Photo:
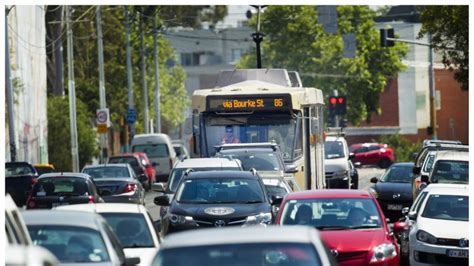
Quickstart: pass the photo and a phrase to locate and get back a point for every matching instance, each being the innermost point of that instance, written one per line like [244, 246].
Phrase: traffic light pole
[336, 117]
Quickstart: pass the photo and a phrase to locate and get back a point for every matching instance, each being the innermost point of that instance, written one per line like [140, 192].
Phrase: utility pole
[9, 93]
[143, 72]
[103, 137]
[129, 72]
[432, 91]
[157, 78]
[58, 88]
[258, 37]
[72, 95]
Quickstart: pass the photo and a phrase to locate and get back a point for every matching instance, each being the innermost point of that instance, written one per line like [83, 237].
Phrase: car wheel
[355, 183]
[384, 163]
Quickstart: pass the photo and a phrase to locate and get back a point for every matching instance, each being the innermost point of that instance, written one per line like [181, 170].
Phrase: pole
[157, 78]
[129, 74]
[258, 38]
[103, 137]
[58, 88]
[72, 95]
[432, 91]
[143, 72]
[336, 117]
[9, 94]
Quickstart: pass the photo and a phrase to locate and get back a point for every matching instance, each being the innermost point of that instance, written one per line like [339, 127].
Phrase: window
[131, 229]
[190, 59]
[153, 150]
[236, 54]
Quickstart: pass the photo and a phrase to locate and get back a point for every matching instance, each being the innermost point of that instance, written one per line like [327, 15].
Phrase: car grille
[211, 222]
[451, 242]
[425, 257]
[359, 255]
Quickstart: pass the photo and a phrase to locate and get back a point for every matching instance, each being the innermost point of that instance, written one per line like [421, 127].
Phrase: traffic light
[384, 34]
[337, 105]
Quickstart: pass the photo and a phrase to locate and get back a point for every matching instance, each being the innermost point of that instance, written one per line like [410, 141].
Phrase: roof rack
[271, 145]
[335, 131]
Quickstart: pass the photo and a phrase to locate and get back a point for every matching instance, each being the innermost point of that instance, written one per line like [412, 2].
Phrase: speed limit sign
[102, 116]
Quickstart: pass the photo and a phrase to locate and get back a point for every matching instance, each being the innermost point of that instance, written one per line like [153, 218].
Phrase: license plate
[394, 207]
[458, 253]
[59, 204]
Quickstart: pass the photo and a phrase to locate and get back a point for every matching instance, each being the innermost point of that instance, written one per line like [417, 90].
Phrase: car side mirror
[412, 215]
[132, 261]
[162, 200]
[405, 210]
[425, 178]
[416, 170]
[158, 187]
[291, 169]
[276, 200]
[351, 156]
[374, 180]
[414, 155]
[400, 226]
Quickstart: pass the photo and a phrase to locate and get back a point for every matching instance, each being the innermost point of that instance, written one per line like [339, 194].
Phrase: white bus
[263, 105]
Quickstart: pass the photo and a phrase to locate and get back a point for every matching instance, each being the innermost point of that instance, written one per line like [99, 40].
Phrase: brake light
[33, 181]
[31, 203]
[91, 199]
[130, 188]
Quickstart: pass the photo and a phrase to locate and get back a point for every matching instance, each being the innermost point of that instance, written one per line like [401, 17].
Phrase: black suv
[217, 199]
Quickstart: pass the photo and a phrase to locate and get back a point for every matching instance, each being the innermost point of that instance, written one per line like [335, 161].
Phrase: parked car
[44, 168]
[77, 238]
[139, 164]
[132, 225]
[438, 226]
[372, 154]
[393, 190]
[116, 183]
[216, 199]
[180, 149]
[56, 189]
[19, 180]
[351, 224]
[245, 246]
[337, 162]
[159, 150]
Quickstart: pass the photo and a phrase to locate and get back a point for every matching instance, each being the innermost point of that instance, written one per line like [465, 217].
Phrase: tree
[59, 134]
[296, 41]
[449, 27]
[191, 16]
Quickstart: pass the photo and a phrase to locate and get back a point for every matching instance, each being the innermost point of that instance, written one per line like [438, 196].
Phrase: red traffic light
[332, 100]
[340, 100]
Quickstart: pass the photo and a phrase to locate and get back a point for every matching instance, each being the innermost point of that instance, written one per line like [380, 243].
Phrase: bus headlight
[383, 252]
[262, 218]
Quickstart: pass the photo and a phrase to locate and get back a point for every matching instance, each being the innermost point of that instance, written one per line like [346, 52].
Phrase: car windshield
[275, 191]
[220, 190]
[260, 160]
[107, 172]
[447, 207]
[332, 213]
[131, 229]
[333, 149]
[178, 173]
[153, 150]
[70, 244]
[61, 186]
[398, 174]
[255, 254]
[446, 171]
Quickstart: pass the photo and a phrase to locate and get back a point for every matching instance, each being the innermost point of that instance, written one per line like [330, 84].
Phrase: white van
[159, 150]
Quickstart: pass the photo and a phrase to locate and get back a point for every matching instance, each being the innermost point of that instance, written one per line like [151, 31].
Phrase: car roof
[105, 207]
[447, 189]
[249, 150]
[221, 174]
[107, 165]
[66, 174]
[9, 203]
[125, 155]
[452, 155]
[239, 235]
[328, 193]
[334, 138]
[63, 218]
[206, 163]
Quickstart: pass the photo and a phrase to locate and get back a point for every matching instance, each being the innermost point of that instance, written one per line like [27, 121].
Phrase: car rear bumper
[122, 199]
[337, 182]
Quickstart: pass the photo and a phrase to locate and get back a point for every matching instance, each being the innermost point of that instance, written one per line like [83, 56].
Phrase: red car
[372, 154]
[139, 162]
[350, 222]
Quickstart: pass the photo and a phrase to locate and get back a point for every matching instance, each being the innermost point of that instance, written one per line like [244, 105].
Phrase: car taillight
[33, 181]
[91, 199]
[130, 188]
[31, 203]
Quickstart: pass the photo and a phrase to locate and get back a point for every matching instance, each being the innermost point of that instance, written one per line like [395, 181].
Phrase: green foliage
[402, 148]
[449, 26]
[192, 16]
[296, 41]
[59, 134]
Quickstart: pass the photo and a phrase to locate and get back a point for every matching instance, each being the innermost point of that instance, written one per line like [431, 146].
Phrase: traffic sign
[131, 116]
[102, 116]
[102, 128]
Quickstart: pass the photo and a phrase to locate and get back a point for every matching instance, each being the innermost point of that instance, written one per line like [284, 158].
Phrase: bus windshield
[256, 128]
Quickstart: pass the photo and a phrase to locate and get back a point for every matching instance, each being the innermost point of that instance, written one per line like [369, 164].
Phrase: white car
[439, 230]
[131, 223]
[336, 163]
[450, 167]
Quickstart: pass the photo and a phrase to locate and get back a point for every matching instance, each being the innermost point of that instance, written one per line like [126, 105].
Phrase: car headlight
[426, 237]
[374, 192]
[340, 173]
[383, 252]
[262, 218]
[179, 219]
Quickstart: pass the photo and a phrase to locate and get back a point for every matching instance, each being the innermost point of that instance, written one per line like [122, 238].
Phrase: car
[450, 167]
[180, 149]
[276, 188]
[428, 142]
[337, 161]
[393, 189]
[216, 199]
[372, 154]
[19, 255]
[44, 168]
[438, 226]
[19, 180]
[116, 183]
[351, 224]
[354, 176]
[15, 228]
[77, 238]
[274, 245]
[56, 189]
[132, 225]
[139, 164]
[425, 158]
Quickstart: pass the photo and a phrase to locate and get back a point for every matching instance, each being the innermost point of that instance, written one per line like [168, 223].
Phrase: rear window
[450, 172]
[130, 160]
[153, 150]
[61, 186]
[107, 172]
[15, 169]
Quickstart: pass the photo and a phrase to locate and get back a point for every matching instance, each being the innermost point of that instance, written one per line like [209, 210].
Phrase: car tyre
[355, 183]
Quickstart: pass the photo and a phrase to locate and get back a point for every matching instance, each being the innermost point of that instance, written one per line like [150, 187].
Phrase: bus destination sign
[249, 103]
